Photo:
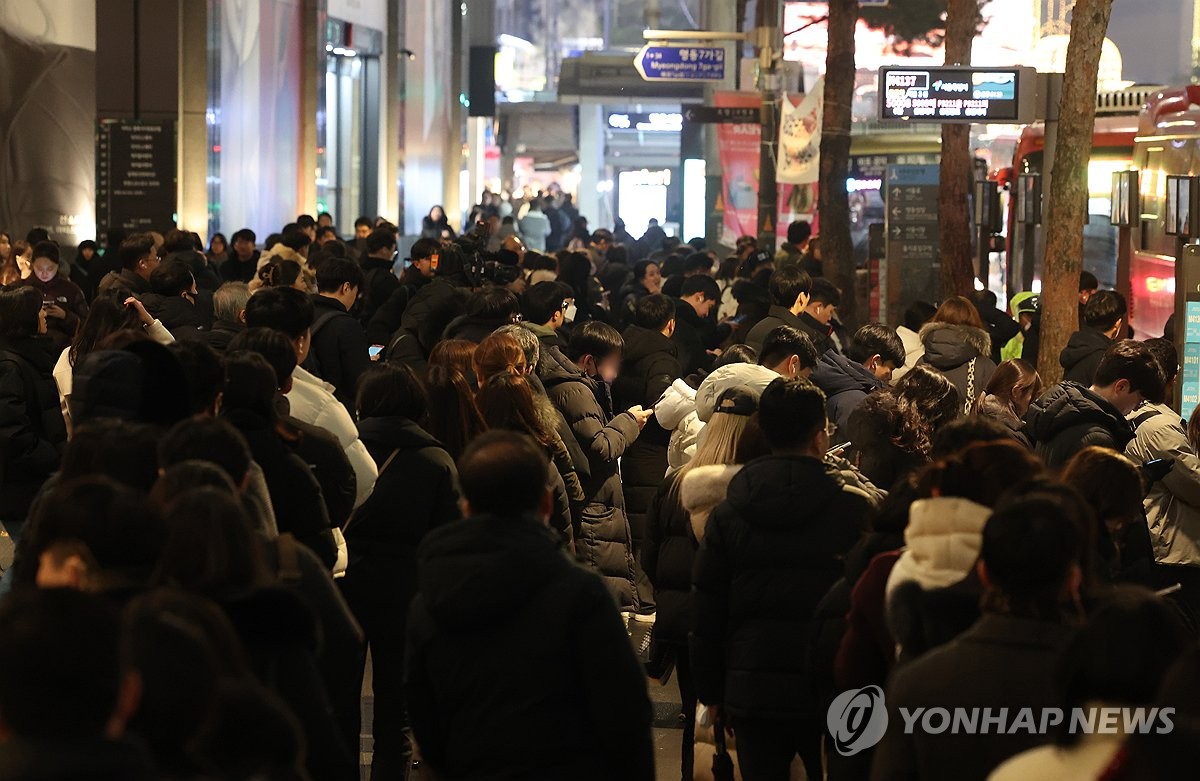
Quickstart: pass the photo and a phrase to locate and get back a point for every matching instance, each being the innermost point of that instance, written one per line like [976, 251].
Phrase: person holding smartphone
[63, 301]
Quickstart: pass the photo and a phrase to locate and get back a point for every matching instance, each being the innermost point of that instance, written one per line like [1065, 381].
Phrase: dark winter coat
[382, 576]
[667, 557]
[770, 553]
[1081, 357]
[695, 336]
[649, 364]
[379, 283]
[282, 639]
[32, 431]
[1068, 418]
[338, 353]
[221, 334]
[845, 383]
[295, 493]
[602, 538]
[1000, 662]
[962, 354]
[519, 666]
[67, 295]
[124, 279]
[175, 312]
[234, 270]
[327, 459]
[780, 315]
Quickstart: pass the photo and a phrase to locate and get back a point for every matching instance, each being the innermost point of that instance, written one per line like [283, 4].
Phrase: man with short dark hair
[544, 311]
[1105, 315]
[770, 552]
[379, 278]
[339, 346]
[242, 264]
[789, 353]
[818, 316]
[559, 692]
[792, 251]
[871, 357]
[311, 400]
[790, 290]
[697, 333]
[1072, 416]
[65, 696]
[139, 259]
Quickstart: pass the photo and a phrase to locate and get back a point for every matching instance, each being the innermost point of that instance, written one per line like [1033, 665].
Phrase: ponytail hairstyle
[278, 272]
[498, 354]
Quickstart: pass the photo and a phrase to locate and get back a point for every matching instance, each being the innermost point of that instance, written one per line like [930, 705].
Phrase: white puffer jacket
[676, 412]
[942, 542]
[751, 375]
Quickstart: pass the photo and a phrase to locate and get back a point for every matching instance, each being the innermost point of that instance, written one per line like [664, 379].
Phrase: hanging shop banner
[739, 149]
[799, 160]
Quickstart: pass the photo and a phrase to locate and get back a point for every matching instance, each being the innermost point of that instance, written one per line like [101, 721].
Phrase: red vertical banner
[739, 150]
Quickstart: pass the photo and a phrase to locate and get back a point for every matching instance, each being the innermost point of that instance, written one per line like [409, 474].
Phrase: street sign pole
[767, 34]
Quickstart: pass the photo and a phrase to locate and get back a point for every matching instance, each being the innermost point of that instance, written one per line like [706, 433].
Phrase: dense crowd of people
[531, 468]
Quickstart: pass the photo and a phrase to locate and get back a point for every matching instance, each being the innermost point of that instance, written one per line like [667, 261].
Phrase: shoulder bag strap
[382, 469]
[969, 401]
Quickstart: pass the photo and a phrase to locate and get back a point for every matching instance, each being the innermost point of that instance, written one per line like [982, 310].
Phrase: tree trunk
[957, 172]
[1066, 212]
[837, 248]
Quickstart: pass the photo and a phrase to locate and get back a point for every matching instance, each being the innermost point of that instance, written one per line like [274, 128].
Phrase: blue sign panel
[681, 63]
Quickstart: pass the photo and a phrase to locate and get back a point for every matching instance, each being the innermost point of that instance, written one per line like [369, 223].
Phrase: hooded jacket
[602, 536]
[845, 383]
[991, 407]
[381, 578]
[943, 538]
[1070, 417]
[961, 353]
[1173, 504]
[1081, 357]
[519, 665]
[770, 552]
[913, 350]
[676, 412]
[703, 489]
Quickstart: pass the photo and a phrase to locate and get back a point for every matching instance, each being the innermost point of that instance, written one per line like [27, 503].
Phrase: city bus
[1117, 120]
[1168, 142]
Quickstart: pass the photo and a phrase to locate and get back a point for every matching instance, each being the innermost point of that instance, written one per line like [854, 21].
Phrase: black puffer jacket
[339, 349]
[1068, 418]
[32, 431]
[518, 665]
[667, 556]
[649, 364]
[1081, 357]
[845, 383]
[770, 553]
[961, 353]
[602, 537]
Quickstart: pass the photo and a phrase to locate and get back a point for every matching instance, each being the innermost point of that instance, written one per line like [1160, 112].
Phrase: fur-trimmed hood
[703, 488]
[943, 539]
[949, 346]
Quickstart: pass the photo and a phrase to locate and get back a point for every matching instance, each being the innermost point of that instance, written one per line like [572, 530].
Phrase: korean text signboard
[135, 175]
[957, 94]
[911, 225]
[681, 63]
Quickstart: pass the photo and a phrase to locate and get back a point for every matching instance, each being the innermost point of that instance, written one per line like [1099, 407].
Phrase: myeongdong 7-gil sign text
[956, 94]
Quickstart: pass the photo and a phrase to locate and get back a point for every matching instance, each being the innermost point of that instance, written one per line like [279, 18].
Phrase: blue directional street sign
[681, 63]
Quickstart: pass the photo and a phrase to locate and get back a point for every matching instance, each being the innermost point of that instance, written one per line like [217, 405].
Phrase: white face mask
[569, 313]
